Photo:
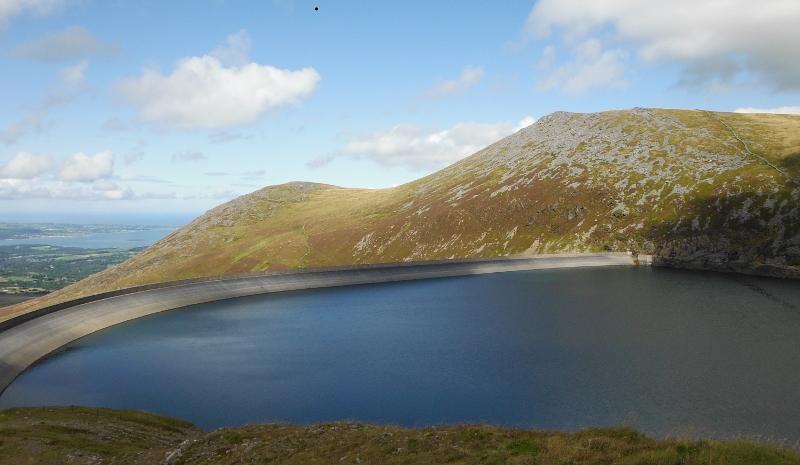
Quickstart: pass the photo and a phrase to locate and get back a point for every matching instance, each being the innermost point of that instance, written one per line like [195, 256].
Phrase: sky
[177, 106]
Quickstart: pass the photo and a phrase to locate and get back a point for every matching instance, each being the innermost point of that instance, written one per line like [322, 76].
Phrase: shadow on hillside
[791, 164]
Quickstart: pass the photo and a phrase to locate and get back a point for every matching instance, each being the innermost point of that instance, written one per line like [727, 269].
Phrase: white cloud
[26, 165]
[320, 161]
[32, 176]
[592, 67]
[110, 190]
[11, 189]
[74, 76]
[237, 50]
[31, 123]
[201, 93]
[469, 78]
[83, 168]
[779, 110]
[137, 152]
[74, 42]
[104, 190]
[12, 8]
[424, 147]
[524, 123]
[758, 39]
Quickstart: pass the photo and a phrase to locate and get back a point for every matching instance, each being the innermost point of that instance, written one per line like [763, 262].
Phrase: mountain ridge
[695, 189]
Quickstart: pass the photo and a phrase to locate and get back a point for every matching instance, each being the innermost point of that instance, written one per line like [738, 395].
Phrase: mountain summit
[692, 188]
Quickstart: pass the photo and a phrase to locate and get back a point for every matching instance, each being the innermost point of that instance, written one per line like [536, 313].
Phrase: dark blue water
[669, 352]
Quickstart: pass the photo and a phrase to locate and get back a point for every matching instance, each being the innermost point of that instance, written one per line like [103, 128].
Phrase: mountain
[695, 189]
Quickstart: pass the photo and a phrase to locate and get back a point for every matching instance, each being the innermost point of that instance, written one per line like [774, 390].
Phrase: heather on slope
[692, 188]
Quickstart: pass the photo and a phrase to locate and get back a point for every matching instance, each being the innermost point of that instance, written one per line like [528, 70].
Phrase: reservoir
[669, 352]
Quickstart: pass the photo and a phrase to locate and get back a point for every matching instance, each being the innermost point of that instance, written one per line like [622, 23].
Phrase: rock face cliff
[694, 189]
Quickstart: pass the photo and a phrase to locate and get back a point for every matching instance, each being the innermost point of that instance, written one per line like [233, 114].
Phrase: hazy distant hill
[676, 184]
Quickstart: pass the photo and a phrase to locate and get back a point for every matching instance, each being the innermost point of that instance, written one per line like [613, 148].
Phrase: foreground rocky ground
[78, 435]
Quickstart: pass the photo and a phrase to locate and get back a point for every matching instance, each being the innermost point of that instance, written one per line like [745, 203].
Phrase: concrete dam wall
[27, 338]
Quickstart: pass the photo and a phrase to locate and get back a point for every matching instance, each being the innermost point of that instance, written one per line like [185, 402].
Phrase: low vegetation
[694, 189]
[38, 268]
[77, 435]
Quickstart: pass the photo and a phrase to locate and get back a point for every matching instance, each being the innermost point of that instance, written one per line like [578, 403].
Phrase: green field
[49, 268]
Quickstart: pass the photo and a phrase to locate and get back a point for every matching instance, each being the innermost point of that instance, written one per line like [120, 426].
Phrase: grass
[51, 435]
[698, 187]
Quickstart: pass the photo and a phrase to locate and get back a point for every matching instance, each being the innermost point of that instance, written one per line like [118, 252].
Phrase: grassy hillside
[78, 435]
[677, 184]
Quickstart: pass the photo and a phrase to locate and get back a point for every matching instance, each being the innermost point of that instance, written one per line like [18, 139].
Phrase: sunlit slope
[673, 183]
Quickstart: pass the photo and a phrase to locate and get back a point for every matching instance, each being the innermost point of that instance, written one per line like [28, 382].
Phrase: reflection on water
[669, 352]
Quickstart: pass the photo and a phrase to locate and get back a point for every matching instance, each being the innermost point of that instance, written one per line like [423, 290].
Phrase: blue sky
[178, 106]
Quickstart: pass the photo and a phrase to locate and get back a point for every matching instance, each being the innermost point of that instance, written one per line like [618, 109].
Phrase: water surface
[128, 239]
[669, 352]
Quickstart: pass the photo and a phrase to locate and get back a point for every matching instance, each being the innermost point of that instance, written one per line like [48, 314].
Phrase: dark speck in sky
[316, 8]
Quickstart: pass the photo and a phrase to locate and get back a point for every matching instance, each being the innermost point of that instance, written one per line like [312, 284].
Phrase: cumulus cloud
[110, 190]
[11, 8]
[425, 147]
[188, 156]
[74, 42]
[11, 189]
[592, 67]
[202, 93]
[83, 168]
[469, 78]
[104, 190]
[33, 176]
[26, 165]
[779, 110]
[237, 50]
[758, 39]
[524, 123]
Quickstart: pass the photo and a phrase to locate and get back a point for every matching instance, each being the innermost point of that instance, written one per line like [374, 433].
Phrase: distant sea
[163, 223]
[170, 219]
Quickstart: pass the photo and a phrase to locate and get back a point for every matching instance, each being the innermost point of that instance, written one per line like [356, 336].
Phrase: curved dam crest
[24, 340]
